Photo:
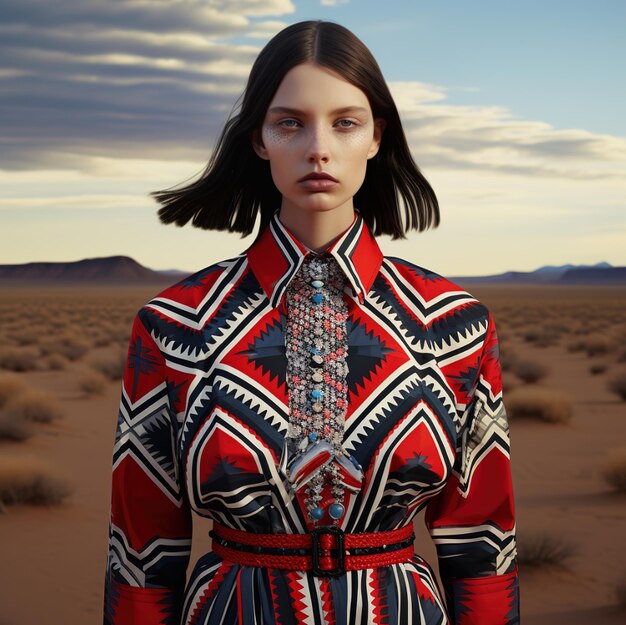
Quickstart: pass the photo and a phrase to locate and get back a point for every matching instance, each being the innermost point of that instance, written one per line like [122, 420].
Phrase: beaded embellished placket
[316, 380]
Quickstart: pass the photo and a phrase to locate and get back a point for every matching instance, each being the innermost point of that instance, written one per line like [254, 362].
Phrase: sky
[514, 112]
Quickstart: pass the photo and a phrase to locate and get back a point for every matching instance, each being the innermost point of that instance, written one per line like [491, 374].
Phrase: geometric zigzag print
[201, 429]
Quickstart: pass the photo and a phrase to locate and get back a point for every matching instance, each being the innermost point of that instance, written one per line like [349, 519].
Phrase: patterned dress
[207, 399]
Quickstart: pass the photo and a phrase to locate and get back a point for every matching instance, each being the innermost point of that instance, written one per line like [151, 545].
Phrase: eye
[349, 121]
[284, 121]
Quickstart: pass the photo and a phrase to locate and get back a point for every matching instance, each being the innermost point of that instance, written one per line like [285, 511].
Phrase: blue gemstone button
[316, 393]
[336, 511]
[317, 513]
[318, 298]
[313, 436]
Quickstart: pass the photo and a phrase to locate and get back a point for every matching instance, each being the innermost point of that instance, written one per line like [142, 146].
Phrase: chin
[321, 202]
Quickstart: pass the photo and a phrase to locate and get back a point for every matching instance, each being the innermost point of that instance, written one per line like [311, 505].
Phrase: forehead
[311, 88]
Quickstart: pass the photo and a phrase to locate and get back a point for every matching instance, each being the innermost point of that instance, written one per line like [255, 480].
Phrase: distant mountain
[112, 270]
[121, 270]
[599, 274]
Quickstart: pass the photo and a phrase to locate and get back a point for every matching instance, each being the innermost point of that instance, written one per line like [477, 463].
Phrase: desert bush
[617, 384]
[597, 368]
[541, 337]
[12, 430]
[56, 362]
[68, 345]
[19, 358]
[102, 340]
[92, 382]
[33, 405]
[25, 336]
[543, 548]
[614, 469]
[539, 402]
[112, 366]
[529, 371]
[10, 386]
[598, 345]
[593, 345]
[26, 480]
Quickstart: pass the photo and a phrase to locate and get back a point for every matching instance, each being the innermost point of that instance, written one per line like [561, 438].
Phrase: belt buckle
[316, 533]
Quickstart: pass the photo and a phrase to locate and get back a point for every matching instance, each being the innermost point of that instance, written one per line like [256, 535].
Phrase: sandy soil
[53, 559]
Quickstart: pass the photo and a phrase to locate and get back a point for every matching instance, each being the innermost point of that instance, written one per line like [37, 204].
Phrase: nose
[317, 149]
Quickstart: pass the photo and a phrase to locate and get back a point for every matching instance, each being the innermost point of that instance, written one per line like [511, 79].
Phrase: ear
[379, 127]
[257, 144]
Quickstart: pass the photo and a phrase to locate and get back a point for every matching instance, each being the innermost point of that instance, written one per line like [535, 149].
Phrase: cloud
[156, 79]
[489, 138]
[127, 77]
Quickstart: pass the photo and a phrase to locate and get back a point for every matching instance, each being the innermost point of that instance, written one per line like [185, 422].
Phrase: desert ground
[560, 349]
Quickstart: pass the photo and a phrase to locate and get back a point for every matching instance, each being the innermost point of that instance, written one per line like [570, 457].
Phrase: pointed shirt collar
[277, 254]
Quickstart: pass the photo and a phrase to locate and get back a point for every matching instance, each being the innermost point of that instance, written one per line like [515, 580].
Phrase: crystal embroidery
[316, 379]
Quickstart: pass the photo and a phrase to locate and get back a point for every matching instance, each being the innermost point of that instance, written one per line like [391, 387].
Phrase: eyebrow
[292, 111]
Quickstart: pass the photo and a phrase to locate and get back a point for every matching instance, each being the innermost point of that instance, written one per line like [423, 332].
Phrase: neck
[318, 230]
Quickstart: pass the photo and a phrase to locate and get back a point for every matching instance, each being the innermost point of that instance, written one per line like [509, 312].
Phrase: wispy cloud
[132, 77]
[91, 76]
[489, 138]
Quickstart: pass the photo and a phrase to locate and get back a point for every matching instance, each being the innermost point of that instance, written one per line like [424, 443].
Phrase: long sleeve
[472, 520]
[150, 524]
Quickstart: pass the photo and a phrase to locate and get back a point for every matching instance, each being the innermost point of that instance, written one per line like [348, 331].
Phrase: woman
[310, 395]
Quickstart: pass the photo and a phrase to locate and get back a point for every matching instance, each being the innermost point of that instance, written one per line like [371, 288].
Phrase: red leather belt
[322, 551]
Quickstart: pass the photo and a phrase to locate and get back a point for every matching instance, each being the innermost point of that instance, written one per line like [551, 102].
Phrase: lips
[318, 176]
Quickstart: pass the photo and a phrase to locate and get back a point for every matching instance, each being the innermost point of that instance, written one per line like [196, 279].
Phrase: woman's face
[317, 122]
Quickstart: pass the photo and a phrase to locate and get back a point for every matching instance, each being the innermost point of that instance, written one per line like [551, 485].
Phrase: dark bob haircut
[237, 182]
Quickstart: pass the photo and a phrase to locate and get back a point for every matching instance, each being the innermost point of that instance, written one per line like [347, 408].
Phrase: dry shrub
[593, 345]
[539, 402]
[614, 469]
[19, 358]
[112, 366]
[10, 386]
[577, 345]
[32, 405]
[541, 337]
[25, 336]
[68, 345]
[92, 382]
[543, 548]
[12, 430]
[597, 368]
[617, 384]
[26, 480]
[56, 362]
[102, 340]
[529, 371]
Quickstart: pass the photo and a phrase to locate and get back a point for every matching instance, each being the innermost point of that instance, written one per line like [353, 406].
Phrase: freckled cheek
[275, 138]
[357, 142]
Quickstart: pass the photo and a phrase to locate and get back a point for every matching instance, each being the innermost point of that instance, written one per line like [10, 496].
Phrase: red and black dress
[395, 409]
